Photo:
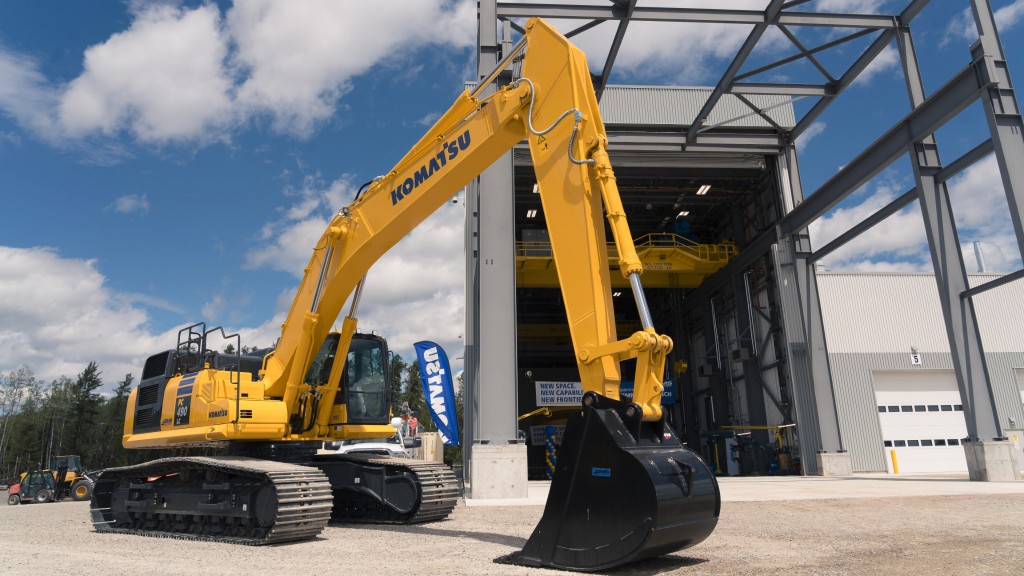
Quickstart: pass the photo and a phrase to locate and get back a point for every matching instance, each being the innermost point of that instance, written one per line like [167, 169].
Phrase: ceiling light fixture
[532, 213]
[683, 213]
[616, 294]
[536, 188]
[703, 189]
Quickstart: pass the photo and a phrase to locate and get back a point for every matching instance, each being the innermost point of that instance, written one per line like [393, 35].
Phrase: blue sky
[163, 163]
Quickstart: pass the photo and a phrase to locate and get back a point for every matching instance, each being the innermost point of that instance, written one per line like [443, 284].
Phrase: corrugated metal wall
[894, 312]
[678, 106]
[855, 400]
[873, 320]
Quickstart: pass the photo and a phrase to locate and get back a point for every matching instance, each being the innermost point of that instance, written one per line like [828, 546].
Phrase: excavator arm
[554, 107]
[625, 487]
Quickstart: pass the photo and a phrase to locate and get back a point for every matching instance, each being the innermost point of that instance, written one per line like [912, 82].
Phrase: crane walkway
[670, 261]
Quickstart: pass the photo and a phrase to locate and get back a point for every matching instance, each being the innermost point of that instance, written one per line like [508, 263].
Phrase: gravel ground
[982, 534]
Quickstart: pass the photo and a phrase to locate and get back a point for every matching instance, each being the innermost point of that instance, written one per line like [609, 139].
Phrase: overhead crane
[669, 261]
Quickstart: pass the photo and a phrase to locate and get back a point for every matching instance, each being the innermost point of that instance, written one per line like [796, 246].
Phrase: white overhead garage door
[922, 420]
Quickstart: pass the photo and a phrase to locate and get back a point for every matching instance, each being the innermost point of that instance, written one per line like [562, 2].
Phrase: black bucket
[623, 490]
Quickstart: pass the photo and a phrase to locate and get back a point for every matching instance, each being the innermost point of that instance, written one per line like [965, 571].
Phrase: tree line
[71, 416]
[66, 416]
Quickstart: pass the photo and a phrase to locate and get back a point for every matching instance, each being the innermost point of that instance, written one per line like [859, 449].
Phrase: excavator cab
[625, 487]
[365, 382]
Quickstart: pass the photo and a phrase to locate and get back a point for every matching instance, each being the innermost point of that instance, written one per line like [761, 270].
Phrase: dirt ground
[982, 534]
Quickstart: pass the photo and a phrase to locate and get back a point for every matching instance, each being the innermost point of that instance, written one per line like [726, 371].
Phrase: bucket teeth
[624, 490]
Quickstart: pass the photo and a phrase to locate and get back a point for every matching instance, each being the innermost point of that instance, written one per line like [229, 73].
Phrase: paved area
[777, 488]
[796, 526]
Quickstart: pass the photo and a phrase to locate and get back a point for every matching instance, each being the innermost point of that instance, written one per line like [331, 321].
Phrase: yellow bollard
[895, 465]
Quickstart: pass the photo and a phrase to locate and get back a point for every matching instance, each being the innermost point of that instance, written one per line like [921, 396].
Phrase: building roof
[678, 106]
[664, 106]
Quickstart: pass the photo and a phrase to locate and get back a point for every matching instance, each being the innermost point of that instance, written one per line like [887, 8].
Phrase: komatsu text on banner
[436, 376]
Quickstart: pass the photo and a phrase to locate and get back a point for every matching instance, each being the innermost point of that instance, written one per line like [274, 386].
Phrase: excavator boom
[625, 487]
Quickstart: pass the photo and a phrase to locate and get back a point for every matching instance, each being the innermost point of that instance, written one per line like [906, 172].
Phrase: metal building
[752, 333]
[896, 392]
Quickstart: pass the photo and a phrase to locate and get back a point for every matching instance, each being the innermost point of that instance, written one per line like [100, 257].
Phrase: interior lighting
[536, 188]
[703, 189]
[786, 426]
[616, 294]
[683, 213]
[532, 213]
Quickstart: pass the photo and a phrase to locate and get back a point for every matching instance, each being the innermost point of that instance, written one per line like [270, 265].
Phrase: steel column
[962, 329]
[745, 332]
[490, 291]
[817, 418]
[1003, 114]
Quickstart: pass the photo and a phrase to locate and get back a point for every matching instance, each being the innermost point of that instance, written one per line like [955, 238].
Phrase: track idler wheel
[623, 490]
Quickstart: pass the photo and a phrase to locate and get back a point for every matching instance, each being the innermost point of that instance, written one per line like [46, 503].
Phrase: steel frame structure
[785, 244]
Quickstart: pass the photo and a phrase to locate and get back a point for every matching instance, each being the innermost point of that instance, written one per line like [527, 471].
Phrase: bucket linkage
[623, 490]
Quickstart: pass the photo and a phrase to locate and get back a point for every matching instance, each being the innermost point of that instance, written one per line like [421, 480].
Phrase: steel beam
[821, 90]
[755, 143]
[694, 15]
[947, 172]
[962, 329]
[760, 112]
[1001, 281]
[864, 225]
[725, 82]
[922, 121]
[752, 385]
[808, 53]
[868, 56]
[797, 362]
[1003, 115]
[627, 7]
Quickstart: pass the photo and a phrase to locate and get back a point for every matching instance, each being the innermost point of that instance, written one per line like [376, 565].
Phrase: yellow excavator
[625, 487]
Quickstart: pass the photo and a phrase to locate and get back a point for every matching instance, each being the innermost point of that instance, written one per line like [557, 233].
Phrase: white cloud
[59, 315]
[852, 6]
[963, 26]
[301, 57]
[886, 61]
[291, 238]
[673, 53]
[899, 243]
[163, 79]
[130, 203]
[979, 204]
[194, 76]
[26, 95]
[416, 291]
[817, 128]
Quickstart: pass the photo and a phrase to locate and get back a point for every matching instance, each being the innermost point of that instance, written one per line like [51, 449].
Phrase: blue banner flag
[436, 376]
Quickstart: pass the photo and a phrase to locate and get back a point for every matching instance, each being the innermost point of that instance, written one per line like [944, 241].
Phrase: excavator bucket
[623, 490]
